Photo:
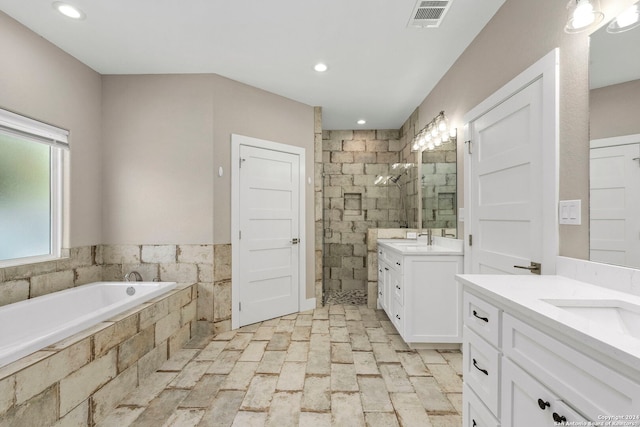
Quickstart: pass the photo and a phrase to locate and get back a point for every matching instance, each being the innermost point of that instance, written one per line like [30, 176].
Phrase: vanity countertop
[541, 299]
[440, 246]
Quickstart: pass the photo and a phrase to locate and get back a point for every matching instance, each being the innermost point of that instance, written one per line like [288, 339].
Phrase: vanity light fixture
[68, 10]
[627, 20]
[582, 15]
[320, 67]
[434, 134]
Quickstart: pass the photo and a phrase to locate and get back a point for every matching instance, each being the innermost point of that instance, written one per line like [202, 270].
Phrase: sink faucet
[137, 277]
[429, 236]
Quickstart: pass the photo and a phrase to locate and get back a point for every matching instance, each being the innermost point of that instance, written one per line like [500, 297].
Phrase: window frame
[36, 132]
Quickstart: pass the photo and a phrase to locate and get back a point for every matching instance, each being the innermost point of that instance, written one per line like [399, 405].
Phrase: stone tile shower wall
[352, 203]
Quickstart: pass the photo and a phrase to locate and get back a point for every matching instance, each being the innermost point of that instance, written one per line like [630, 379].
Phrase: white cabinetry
[517, 375]
[421, 296]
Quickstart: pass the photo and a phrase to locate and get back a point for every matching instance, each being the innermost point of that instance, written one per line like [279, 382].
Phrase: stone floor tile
[431, 357]
[226, 336]
[249, 419]
[319, 342]
[316, 396]
[253, 352]
[223, 409]
[320, 326]
[211, 351]
[204, 392]
[431, 396]
[279, 341]
[149, 389]
[225, 362]
[301, 333]
[314, 419]
[356, 327]
[397, 343]
[346, 410]
[360, 342]
[271, 362]
[343, 377]
[285, 410]
[250, 328]
[381, 419]
[179, 360]
[374, 395]
[456, 401]
[304, 319]
[446, 420]
[384, 353]
[336, 309]
[321, 313]
[319, 362]
[161, 408]
[388, 327]
[449, 381]
[341, 352]
[122, 416]
[260, 393]
[190, 375]
[352, 315]
[377, 335]
[285, 325]
[292, 316]
[298, 351]
[337, 320]
[198, 341]
[264, 333]
[454, 359]
[240, 376]
[409, 410]
[292, 376]
[239, 342]
[339, 334]
[184, 418]
[370, 322]
[413, 364]
[365, 363]
[271, 322]
[396, 379]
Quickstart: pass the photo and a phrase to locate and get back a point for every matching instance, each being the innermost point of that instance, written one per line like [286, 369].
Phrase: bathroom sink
[616, 315]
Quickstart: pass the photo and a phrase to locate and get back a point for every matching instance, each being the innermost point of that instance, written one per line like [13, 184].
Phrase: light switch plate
[569, 212]
[412, 235]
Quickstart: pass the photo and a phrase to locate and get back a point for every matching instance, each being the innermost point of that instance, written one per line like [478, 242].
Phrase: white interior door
[269, 196]
[615, 203]
[512, 180]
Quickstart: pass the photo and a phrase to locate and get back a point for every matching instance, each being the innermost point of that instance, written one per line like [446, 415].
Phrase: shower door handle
[295, 241]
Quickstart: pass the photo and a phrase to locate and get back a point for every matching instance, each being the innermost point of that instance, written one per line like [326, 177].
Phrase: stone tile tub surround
[79, 380]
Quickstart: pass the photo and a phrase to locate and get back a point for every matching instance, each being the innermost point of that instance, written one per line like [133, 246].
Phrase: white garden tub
[30, 325]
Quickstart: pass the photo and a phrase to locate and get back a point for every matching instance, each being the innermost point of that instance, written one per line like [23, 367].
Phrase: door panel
[269, 221]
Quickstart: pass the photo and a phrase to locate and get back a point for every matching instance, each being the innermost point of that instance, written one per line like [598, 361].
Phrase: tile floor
[340, 365]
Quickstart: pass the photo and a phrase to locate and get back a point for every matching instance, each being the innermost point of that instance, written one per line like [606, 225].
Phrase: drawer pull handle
[474, 423]
[484, 371]
[398, 316]
[397, 287]
[559, 418]
[475, 314]
[542, 404]
[397, 263]
[386, 268]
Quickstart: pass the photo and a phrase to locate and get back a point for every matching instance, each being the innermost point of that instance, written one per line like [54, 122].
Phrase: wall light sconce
[627, 20]
[434, 134]
[582, 15]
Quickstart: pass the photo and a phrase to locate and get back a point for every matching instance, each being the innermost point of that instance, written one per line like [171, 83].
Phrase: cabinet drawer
[395, 261]
[481, 369]
[397, 288]
[592, 388]
[474, 413]
[397, 315]
[482, 317]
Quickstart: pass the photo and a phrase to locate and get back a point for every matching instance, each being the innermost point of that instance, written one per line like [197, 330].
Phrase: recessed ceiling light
[68, 10]
[321, 68]
[361, 121]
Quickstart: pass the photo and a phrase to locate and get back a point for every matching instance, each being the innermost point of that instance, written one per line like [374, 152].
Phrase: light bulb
[434, 130]
[445, 137]
[431, 146]
[442, 123]
[437, 142]
[583, 15]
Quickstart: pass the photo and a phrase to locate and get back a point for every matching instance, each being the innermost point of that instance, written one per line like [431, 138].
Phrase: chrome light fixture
[582, 15]
[627, 20]
[434, 134]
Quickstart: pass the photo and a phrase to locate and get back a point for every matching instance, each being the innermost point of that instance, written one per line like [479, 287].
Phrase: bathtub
[31, 325]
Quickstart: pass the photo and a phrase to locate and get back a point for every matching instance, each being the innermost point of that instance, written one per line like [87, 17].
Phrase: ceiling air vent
[428, 14]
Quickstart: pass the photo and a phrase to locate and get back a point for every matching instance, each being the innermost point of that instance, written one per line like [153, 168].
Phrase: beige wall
[40, 81]
[517, 36]
[615, 110]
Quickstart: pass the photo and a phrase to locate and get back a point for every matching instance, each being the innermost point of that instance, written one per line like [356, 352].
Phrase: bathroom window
[31, 184]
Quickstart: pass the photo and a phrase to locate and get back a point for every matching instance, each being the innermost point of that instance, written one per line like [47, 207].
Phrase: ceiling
[379, 69]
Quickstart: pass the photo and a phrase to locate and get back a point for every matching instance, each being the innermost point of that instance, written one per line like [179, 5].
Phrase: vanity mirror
[614, 73]
[438, 184]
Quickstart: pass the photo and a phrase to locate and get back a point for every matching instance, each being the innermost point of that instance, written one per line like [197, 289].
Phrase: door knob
[535, 267]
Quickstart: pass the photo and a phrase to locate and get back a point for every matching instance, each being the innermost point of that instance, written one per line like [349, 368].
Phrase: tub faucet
[429, 236]
[137, 277]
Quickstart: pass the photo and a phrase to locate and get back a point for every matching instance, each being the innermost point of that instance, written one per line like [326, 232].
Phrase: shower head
[395, 179]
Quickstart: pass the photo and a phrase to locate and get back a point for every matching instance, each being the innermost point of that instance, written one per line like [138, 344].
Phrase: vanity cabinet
[420, 295]
[517, 375]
